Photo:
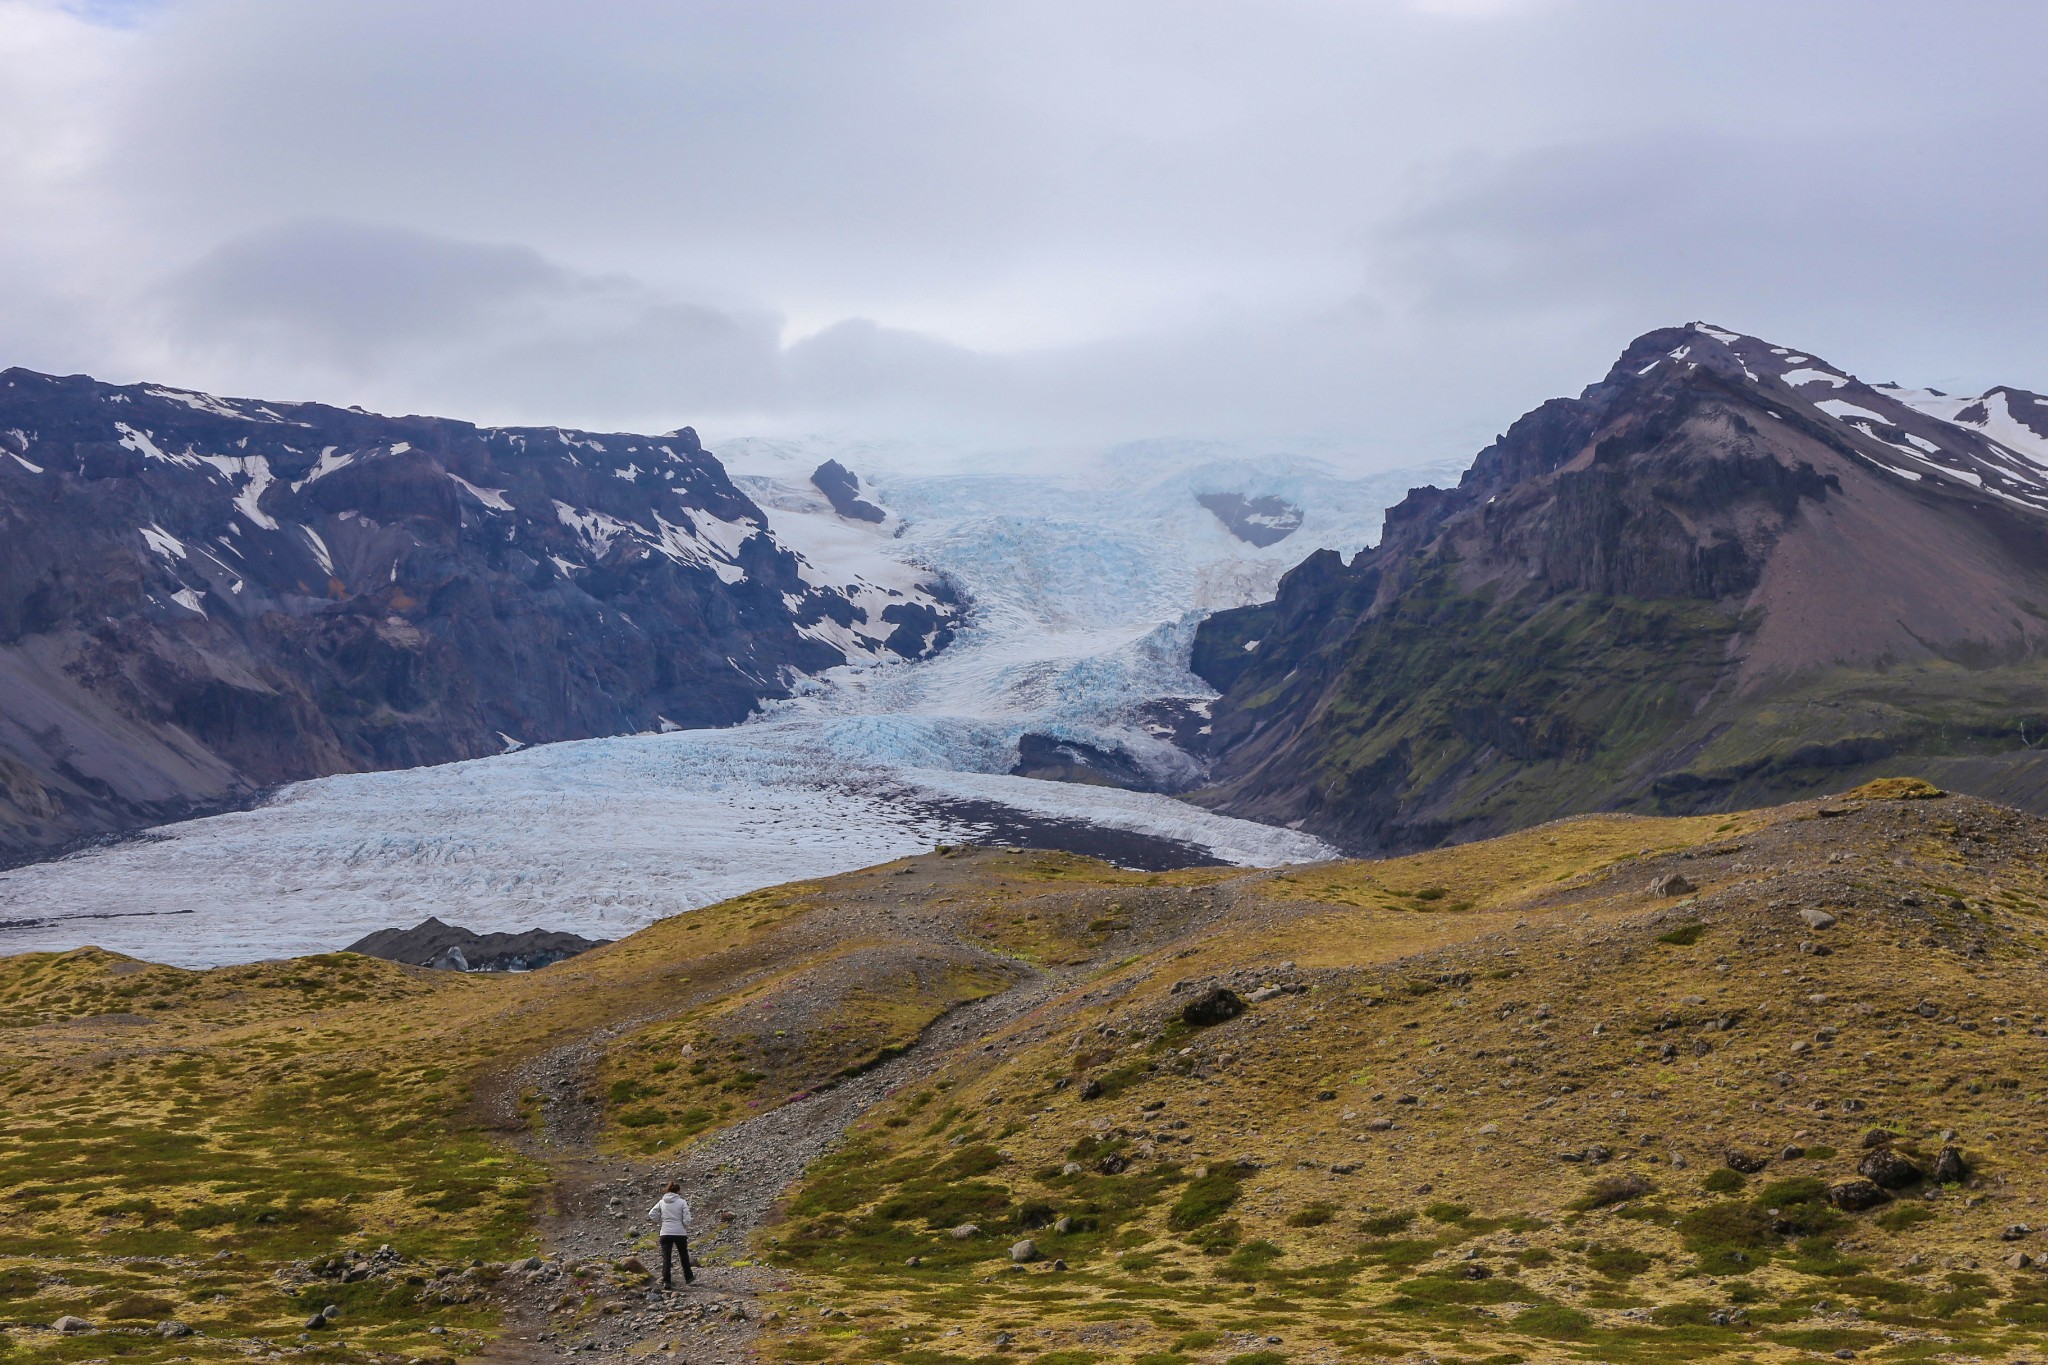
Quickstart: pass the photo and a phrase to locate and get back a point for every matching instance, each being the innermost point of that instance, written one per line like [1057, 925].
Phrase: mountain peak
[1621, 578]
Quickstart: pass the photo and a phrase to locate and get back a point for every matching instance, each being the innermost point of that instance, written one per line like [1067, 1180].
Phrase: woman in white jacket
[672, 1211]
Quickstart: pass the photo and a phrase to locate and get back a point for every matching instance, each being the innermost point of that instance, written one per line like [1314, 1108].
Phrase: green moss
[944, 1204]
[1553, 1320]
[1312, 1215]
[1203, 1201]
[1723, 1180]
[1728, 1237]
[1248, 1261]
[1455, 1289]
[1618, 1263]
[1902, 1216]
[1536, 708]
[1386, 1224]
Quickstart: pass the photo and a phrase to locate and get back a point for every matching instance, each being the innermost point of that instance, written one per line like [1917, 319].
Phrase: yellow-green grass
[170, 1140]
[1530, 1023]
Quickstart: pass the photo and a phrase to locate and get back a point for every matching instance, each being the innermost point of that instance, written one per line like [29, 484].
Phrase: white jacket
[674, 1212]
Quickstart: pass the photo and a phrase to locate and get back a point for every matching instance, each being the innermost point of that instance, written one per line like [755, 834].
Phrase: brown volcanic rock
[1655, 597]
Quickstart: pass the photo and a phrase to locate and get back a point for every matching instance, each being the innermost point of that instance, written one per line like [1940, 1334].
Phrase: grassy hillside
[1520, 1100]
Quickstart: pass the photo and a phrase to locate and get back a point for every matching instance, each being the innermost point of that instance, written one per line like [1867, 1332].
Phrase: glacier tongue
[1084, 585]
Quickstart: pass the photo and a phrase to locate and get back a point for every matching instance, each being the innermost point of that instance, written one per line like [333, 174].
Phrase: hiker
[672, 1211]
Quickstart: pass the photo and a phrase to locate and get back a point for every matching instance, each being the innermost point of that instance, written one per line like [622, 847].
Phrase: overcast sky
[1395, 223]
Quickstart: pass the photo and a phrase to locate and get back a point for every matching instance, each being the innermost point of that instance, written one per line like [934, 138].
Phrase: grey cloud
[1399, 222]
[407, 318]
[1827, 243]
[353, 289]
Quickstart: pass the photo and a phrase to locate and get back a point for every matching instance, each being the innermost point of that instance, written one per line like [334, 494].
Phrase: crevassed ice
[1086, 587]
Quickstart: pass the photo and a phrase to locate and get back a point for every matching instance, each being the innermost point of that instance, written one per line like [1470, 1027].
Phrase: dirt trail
[732, 1180]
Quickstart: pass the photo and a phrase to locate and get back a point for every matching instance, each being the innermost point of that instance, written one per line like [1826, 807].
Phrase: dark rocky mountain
[1260, 521]
[1054, 759]
[452, 948]
[203, 597]
[841, 487]
[1727, 574]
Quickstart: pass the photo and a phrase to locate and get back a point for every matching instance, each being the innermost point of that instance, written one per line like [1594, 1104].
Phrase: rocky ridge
[1728, 573]
[449, 947]
[202, 597]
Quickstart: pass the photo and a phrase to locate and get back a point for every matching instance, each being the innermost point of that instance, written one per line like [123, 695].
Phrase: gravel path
[732, 1180]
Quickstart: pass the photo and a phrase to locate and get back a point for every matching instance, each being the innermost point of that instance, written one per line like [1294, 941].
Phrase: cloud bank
[1392, 223]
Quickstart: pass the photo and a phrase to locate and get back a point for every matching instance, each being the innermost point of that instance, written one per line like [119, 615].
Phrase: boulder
[1817, 919]
[1744, 1162]
[1091, 1089]
[1854, 1196]
[1219, 1005]
[964, 1231]
[1949, 1166]
[171, 1327]
[1673, 884]
[71, 1326]
[1026, 1250]
[1889, 1168]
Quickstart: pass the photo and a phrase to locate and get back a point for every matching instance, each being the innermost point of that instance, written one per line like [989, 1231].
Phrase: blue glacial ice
[1086, 577]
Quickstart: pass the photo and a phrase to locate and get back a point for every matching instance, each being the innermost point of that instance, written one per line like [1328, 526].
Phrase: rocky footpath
[595, 1292]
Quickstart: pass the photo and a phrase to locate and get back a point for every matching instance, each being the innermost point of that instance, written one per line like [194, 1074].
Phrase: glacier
[1084, 576]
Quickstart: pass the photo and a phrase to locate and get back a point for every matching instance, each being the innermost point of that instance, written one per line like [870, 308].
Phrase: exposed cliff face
[1726, 573]
[200, 597]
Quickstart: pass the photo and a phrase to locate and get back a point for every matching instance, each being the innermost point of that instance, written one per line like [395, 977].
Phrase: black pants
[681, 1247]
